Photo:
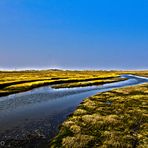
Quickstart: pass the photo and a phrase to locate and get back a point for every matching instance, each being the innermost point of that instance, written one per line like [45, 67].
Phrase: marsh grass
[89, 82]
[14, 82]
[118, 118]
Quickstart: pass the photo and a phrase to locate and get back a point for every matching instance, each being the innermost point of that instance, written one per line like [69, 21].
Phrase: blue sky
[74, 34]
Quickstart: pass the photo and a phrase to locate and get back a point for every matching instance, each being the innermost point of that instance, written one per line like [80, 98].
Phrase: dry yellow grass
[96, 123]
[13, 82]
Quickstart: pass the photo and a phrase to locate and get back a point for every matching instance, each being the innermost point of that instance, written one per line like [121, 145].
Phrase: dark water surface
[35, 115]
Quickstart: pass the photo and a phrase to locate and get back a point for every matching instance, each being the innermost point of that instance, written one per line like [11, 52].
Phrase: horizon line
[73, 69]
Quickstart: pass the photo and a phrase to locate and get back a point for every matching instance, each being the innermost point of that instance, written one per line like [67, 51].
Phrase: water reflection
[45, 108]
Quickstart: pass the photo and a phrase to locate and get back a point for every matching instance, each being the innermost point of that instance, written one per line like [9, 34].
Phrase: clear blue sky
[77, 34]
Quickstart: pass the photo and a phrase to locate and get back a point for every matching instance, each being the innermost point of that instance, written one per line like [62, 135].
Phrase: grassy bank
[14, 82]
[118, 118]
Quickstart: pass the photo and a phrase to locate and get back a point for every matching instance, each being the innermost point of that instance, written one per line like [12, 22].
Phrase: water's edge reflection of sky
[45, 108]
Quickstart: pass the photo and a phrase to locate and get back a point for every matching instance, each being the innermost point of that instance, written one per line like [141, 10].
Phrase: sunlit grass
[118, 118]
[13, 82]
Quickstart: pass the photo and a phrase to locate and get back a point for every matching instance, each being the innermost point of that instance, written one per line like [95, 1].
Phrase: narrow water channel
[36, 114]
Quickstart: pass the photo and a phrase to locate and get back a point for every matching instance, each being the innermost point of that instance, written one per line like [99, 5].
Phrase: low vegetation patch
[14, 82]
[114, 119]
[18, 81]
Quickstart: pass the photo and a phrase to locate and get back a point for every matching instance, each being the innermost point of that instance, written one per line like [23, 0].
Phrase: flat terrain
[118, 118]
[14, 82]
